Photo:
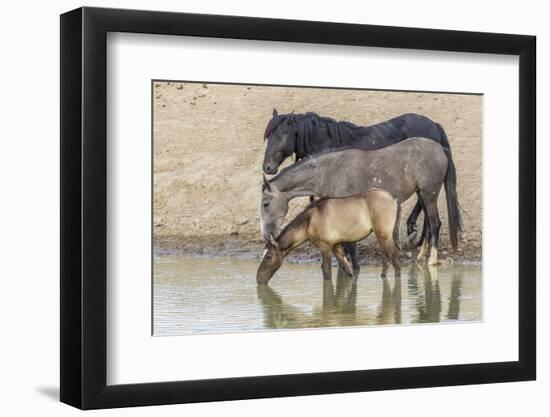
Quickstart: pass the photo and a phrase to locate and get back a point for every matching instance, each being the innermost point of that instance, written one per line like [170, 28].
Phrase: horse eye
[266, 204]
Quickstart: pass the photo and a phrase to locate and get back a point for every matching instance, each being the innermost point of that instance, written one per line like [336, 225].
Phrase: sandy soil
[208, 151]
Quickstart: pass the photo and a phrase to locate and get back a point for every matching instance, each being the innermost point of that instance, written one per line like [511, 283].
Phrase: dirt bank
[208, 150]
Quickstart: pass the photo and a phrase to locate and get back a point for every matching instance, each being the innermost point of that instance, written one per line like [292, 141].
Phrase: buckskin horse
[329, 222]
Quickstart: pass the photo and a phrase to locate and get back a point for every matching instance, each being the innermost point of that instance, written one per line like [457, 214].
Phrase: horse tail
[396, 226]
[443, 138]
[453, 208]
[444, 141]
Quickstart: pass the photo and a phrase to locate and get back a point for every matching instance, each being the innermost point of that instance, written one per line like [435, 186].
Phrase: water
[220, 295]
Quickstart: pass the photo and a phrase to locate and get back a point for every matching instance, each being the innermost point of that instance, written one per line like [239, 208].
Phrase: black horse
[308, 134]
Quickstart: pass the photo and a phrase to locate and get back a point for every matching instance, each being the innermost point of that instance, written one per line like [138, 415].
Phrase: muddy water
[220, 295]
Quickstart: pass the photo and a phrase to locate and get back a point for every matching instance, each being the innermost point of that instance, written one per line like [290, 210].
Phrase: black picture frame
[84, 207]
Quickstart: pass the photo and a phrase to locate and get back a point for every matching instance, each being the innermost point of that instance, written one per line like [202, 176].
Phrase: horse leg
[351, 250]
[338, 251]
[425, 238]
[393, 254]
[326, 266]
[390, 254]
[421, 257]
[383, 223]
[385, 264]
[433, 258]
[411, 221]
[424, 231]
[434, 225]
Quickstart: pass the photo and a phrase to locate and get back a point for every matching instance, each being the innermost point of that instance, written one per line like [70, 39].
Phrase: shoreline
[243, 247]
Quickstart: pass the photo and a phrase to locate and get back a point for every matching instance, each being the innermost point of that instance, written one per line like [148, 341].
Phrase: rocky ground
[208, 151]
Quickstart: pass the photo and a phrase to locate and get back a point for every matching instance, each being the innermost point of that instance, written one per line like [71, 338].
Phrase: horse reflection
[428, 298]
[389, 311]
[344, 298]
[453, 311]
[339, 304]
[427, 294]
[337, 309]
[279, 315]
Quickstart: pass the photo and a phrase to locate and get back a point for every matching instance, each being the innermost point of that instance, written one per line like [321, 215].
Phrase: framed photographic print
[257, 207]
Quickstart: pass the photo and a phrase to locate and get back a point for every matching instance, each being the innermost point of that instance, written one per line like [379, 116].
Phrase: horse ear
[291, 117]
[275, 112]
[266, 185]
[273, 241]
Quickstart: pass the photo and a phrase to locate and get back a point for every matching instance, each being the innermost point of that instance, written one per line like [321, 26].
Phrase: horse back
[401, 128]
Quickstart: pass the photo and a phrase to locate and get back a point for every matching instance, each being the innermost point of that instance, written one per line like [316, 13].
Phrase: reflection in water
[201, 295]
[390, 307]
[343, 300]
[337, 309]
[426, 292]
[454, 298]
[278, 315]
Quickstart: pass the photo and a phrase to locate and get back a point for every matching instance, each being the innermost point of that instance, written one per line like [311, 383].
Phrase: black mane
[309, 127]
[314, 133]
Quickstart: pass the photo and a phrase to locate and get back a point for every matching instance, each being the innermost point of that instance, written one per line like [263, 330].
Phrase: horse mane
[307, 126]
[299, 220]
[307, 160]
[273, 123]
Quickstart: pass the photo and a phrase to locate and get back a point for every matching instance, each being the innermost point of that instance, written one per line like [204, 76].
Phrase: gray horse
[416, 165]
